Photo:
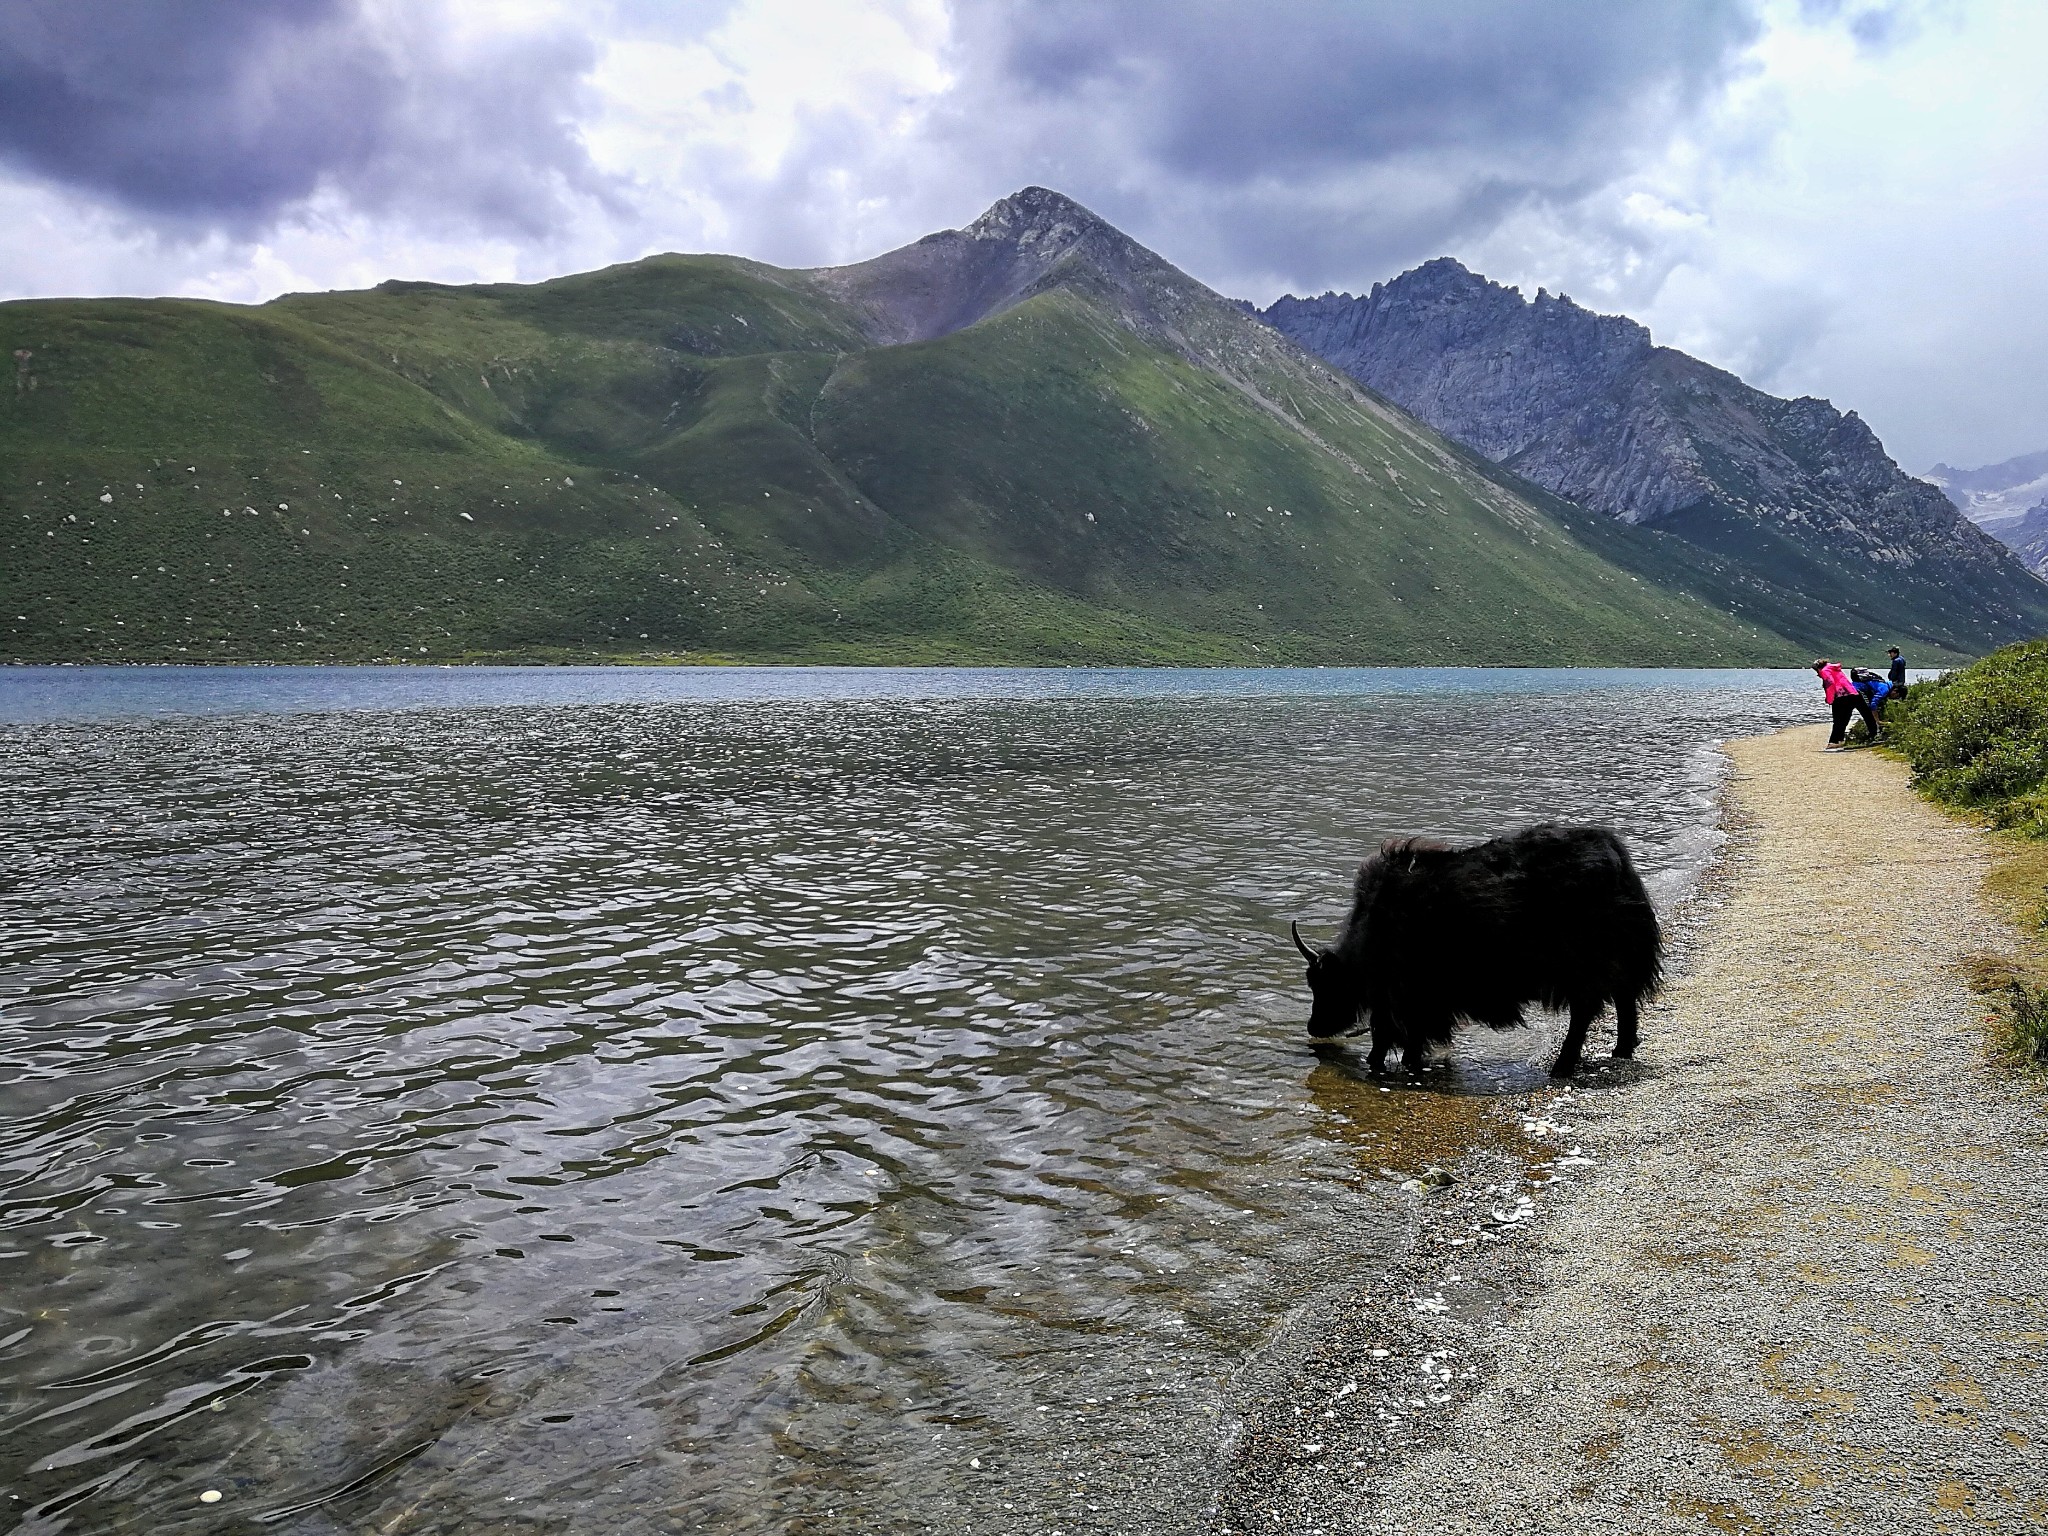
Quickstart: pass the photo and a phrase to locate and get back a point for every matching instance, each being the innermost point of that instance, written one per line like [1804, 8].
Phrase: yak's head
[1334, 985]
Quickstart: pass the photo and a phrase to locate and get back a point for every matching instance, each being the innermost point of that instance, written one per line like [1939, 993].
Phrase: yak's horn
[1306, 953]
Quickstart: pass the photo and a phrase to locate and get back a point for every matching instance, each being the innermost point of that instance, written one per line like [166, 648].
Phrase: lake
[744, 1100]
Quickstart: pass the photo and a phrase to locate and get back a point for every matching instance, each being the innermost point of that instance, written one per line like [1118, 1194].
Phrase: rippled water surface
[594, 1101]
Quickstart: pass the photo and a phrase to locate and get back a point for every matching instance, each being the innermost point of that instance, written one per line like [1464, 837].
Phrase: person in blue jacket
[1897, 675]
[1875, 691]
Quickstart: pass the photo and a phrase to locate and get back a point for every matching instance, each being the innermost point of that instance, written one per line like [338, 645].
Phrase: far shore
[721, 662]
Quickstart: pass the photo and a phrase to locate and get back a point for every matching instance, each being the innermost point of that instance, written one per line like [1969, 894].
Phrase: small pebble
[211, 1496]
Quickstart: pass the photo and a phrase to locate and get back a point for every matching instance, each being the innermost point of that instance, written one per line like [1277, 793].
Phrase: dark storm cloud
[1874, 26]
[226, 112]
[1227, 92]
[1323, 139]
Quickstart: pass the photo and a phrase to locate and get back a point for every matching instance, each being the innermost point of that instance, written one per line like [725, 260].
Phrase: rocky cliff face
[1588, 407]
[2027, 537]
[1546, 388]
[1995, 491]
[2009, 501]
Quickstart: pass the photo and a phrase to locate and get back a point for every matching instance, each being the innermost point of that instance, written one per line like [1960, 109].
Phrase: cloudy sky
[1836, 197]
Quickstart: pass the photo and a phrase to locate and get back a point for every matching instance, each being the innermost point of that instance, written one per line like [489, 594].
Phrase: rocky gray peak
[1023, 245]
[2025, 534]
[1500, 372]
[1589, 407]
[2027, 537]
[1040, 216]
[1449, 304]
[2023, 470]
[1995, 491]
[1840, 448]
[1039, 242]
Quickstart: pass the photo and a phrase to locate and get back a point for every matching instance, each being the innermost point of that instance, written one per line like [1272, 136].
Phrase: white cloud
[1856, 222]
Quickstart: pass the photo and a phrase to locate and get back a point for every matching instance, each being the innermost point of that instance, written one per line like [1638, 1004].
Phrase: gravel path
[1802, 1286]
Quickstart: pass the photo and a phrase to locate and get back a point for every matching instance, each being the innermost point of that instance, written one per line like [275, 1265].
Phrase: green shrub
[2001, 772]
[2022, 1029]
[1978, 737]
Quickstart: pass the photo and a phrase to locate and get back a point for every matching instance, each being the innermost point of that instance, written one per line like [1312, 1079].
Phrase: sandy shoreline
[1797, 1278]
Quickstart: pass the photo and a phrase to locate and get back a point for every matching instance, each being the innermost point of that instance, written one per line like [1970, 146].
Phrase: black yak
[1551, 915]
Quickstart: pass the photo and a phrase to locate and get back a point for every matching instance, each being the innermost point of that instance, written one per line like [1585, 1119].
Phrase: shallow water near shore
[755, 1100]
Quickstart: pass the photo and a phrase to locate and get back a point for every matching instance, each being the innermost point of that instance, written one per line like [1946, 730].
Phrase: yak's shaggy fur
[1550, 915]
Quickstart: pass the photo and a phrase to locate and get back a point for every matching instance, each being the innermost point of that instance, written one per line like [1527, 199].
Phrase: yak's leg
[1624, 1027]
[1382, 1038]
[1416, 1042]
[1583, 1015]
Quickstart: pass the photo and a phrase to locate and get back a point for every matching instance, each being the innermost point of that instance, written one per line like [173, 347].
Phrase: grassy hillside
[181, 480]
[1736, 568]
[700, 456]
[1052, 443]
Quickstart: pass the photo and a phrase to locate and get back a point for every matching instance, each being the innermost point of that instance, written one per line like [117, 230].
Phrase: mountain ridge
[1590, 408]
[2002, 500]
[2026, 535]
[1037, 241]
[1032, 439]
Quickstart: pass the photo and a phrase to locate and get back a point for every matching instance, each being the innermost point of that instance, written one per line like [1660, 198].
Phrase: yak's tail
[1641, 962]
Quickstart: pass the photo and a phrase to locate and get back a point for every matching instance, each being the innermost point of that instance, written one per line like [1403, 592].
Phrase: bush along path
[1978, 738]
[1801, 1282]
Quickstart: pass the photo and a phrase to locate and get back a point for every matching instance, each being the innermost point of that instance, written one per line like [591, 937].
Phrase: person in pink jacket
[1842, 695]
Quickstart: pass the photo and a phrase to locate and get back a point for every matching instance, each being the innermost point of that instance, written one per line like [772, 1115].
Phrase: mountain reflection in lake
[871, 1114]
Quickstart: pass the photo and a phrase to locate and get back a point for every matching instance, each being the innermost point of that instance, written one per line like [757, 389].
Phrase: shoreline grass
[2017, 982]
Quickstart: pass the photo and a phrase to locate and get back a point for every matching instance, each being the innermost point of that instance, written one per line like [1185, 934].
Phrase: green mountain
[1031, 440]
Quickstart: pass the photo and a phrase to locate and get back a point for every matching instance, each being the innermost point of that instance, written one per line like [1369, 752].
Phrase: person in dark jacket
[1897, 676]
